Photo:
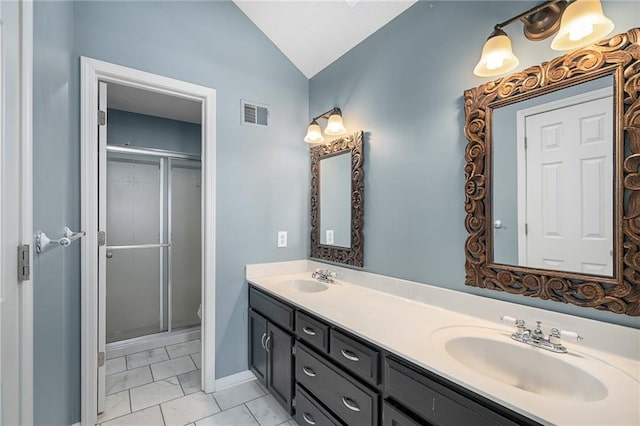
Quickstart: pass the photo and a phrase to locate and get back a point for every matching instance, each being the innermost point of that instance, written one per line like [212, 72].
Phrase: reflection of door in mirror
[562, 206]
[335, 200]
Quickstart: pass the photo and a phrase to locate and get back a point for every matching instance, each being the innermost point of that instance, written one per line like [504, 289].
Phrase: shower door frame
[166, 158]
[92, 72]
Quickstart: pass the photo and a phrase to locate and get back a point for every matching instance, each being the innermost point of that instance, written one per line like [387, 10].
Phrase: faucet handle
[571, 335]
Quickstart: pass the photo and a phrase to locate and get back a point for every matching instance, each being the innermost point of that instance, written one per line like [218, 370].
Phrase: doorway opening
[148, 188]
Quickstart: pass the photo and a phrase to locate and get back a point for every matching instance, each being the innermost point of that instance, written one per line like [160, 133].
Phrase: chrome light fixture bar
[335, 127]
[577, 23]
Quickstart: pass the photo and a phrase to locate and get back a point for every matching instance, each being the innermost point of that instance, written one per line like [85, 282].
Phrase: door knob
[109, 255]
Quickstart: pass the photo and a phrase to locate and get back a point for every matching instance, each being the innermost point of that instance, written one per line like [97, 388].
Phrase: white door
[102, 246]
[569, 175]
[15, 223]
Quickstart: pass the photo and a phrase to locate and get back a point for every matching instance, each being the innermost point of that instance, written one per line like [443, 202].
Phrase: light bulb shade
[582, 24]
[497, 57]
[314, 134]
[335, 127]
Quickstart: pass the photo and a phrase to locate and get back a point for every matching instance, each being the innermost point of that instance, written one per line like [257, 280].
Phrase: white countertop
[414, 330]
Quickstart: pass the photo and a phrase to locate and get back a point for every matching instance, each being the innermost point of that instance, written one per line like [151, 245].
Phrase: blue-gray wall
[262, 173]
[56, 201]
[145, 131]
[404, 86]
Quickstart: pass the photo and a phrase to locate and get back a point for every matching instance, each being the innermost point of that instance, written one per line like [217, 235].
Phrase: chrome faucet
[324, 275]
[537, 337]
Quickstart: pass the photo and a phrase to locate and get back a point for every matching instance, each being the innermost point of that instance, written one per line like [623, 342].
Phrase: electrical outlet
[329, 235]
[282, 238]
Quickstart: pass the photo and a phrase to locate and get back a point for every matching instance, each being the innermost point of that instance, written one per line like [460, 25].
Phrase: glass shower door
[186, 248]
[136, 251]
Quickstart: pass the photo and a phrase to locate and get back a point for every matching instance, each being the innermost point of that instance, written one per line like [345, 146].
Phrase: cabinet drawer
[391, 416]
[351, 401]
[312, 331]
[276, 311]
[310, 412]
[433, 402]
[356, 357]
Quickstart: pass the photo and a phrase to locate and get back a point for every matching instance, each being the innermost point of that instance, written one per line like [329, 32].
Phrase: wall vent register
[254, 113]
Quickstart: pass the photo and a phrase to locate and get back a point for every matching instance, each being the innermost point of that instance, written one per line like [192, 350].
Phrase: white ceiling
[140, 101]
[314, 33]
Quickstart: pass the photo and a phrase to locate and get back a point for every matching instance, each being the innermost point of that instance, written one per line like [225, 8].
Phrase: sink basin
[494, 355]
[304, 286]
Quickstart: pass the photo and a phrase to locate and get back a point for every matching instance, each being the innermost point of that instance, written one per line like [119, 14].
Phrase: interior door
[102, 245]
[15, 347]
[569, 156]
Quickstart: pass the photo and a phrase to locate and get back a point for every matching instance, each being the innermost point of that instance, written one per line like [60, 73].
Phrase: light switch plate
[282, 238]
[329, 236]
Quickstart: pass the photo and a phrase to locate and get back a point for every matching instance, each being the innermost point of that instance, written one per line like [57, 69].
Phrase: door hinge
[102, 118]
[293, 402]
[525, 143]
[24, 266]
[102, 238]
[526, 229]
[100, 359]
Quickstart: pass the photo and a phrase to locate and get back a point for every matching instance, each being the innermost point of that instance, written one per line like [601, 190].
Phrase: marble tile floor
[162, 387]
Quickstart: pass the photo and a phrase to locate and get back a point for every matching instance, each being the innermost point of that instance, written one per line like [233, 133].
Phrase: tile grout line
[251, 412]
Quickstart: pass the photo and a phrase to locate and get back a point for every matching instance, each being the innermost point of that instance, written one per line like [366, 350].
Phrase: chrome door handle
[307, 418]
[264, 335]
[350, 404]
[350, 355]
[309, 372]
[309, 331]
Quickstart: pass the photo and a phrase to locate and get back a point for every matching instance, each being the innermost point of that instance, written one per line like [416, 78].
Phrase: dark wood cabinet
[257, 350]
[339, 378]
[279, 346]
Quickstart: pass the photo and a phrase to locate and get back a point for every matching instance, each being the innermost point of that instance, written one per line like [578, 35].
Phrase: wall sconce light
[577, 23]
[335, 127]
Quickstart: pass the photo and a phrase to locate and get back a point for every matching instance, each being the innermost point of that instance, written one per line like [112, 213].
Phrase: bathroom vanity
[341, 353]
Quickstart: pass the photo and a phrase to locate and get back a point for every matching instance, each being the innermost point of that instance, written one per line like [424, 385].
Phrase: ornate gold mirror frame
[618, 56]
[353, 255]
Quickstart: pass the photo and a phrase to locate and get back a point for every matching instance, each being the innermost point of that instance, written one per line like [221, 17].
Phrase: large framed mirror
[552, 184]
[337, 201]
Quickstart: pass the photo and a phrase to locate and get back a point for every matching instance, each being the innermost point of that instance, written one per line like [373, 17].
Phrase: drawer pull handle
[307, 418]
[264, 336]
[350, 404]
[309, 331]
[267, 345]
[350, 355]
[309, 372]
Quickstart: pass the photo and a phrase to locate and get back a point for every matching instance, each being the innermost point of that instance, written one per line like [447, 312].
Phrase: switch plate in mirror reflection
[553, 180]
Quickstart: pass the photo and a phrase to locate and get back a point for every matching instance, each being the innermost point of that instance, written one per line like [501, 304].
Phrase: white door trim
[26, 227]
[521, 117]
[93, 70]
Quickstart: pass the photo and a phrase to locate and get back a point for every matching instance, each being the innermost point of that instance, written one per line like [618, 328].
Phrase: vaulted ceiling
[314, 33]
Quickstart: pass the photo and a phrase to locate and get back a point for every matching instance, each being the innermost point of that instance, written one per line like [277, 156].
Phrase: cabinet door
[257, 351]
[280, 365]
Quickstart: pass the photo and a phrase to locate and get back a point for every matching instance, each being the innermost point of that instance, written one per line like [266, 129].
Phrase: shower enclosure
[153, 272]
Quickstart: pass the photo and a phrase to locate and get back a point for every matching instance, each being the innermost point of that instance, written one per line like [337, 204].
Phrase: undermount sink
[305, 286]
[494, 355]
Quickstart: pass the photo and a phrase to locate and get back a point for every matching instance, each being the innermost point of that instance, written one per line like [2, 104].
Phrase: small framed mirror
[552, 186]
[337, 201]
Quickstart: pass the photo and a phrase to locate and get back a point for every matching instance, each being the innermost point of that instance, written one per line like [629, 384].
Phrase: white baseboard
[234, 379]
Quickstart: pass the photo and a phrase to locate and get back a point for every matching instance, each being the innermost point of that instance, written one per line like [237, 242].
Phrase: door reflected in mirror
[553, 180]
[335, 200]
